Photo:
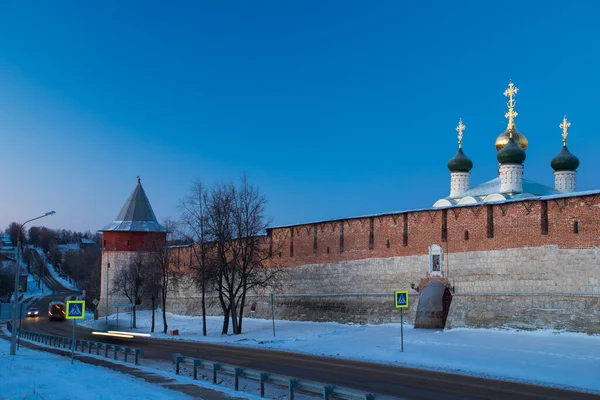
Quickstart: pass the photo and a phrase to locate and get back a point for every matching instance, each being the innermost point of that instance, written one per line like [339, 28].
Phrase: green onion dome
[511, 153]
[564, 161]
[460, 162]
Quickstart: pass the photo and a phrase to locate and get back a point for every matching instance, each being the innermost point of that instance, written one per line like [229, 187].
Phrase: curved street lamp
[13, 335]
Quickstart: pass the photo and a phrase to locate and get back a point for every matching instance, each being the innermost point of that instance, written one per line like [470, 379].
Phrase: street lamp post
[13, 336]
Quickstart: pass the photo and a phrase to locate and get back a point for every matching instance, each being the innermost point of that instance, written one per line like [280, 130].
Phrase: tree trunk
[225, 329]
[241, 316]
[233, 307]
[133, 311]
[153, 309]
[164, 313]
[203, 303]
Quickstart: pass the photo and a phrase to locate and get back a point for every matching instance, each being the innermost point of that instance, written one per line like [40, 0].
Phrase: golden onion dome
[519, 138]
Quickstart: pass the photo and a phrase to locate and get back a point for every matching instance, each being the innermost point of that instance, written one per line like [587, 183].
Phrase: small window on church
[388, 243]
[105, 243]
[575, 226]
[129, 243]
[466, 235]
[327, 249]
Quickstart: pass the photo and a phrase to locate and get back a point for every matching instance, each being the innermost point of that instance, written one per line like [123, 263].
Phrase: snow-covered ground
[569, 360]
[33, 290]
[61, 280]
[39, 375]
[67, 284]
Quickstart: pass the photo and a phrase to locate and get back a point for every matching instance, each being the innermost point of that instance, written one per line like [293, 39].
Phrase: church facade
[505, 253]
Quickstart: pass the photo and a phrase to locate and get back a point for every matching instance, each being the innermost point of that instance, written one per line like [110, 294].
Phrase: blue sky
[334, 109]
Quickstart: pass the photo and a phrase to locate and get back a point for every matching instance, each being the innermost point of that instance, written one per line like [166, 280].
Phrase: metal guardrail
[292, 384]
[67, 343]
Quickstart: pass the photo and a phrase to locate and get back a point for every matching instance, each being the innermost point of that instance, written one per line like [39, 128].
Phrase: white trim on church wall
[565, 181]
[511, 178]
[459, 183]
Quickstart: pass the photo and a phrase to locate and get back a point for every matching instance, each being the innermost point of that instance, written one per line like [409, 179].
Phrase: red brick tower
[135, 229]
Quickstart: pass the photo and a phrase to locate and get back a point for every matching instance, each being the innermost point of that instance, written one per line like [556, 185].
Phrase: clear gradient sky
[333, 108]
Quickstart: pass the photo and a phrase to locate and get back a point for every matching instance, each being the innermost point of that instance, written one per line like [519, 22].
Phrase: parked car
[33, 312]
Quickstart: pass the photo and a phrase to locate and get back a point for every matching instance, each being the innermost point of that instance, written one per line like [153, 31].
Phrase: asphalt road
[402, 382]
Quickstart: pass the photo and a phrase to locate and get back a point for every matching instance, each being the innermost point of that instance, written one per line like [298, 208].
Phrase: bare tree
[7, 283]
[13, 231]
[194, 222]
[168, 269]
[128, 281]
[249, 250]
[220, 203]
[36, 265]
[152, 288]
[238, 225]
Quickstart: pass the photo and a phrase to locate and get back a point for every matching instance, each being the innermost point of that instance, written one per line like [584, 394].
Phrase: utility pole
[13, 336]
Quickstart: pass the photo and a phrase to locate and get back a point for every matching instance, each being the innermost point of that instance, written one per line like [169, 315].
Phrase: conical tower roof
[136, 214]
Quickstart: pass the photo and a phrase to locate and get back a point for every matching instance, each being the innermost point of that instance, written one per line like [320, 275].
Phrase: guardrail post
[116, 351]
[197, 363]
[77, 343]
[237, 372]
[126, 351]
[90, 344]
[327, 391]
[98, 345]
[292, 387]
[177, 358]
[263, 378]
[216, 367]
[137, 355]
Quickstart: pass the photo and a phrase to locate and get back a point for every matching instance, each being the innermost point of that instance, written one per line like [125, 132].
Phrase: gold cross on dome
[460, 128]
[565, 126]
[511, 92]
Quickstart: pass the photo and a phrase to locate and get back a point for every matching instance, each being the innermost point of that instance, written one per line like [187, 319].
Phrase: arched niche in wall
[435, 260]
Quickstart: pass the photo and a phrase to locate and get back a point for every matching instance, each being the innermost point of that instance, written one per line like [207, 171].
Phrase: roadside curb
[190, 389]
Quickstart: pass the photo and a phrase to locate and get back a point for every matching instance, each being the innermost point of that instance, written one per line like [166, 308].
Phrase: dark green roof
[564, 161]
[460, 162]
[511, 153]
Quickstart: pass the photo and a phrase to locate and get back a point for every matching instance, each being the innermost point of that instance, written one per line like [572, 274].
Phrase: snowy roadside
[145, 391]
[550, 358]
[39, 375]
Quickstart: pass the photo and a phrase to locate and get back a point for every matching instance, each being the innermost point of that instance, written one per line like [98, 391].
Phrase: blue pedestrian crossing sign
[401, 298]
[75, 309]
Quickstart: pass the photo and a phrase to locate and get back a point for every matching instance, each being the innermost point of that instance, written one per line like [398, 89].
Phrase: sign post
[272, 296]
[95, 303]
[75, 311]
[401, 301]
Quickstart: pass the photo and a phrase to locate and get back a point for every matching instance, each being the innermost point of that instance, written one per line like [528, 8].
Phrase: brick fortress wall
[523, 264]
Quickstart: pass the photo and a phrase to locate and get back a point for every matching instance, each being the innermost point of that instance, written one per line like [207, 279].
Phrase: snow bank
[39, 375]
[551, 358]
